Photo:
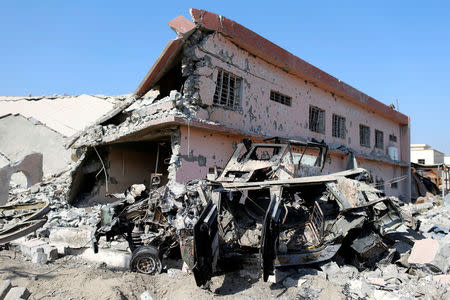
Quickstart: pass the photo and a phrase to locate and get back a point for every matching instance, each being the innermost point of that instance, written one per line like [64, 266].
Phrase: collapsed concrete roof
[264, 49]
[66, 115]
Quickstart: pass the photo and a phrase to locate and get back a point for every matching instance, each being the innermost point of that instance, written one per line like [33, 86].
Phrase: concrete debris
[30, 165]
[427, 253]
[157, 223]
[146, 296]
[13, 293]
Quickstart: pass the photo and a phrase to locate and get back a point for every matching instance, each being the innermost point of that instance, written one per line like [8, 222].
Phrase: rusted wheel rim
[147, 265]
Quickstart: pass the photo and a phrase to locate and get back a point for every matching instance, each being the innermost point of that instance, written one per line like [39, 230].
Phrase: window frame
[318, 126]
[235, 104]
[280, 98]
[378, 134]
[338, 132]
[361, 135]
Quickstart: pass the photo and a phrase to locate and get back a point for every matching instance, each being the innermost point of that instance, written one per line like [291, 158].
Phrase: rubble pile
[333, 228]
[138, 116]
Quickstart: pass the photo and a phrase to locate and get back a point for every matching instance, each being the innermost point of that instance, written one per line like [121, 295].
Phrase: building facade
[219, 82]
[425, 155]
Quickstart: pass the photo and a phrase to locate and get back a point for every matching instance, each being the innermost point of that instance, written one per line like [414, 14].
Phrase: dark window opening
[421, 161]
[394, 185]
[316, 119]
[280, 98]
[364, 136]
[338, 126]
[228, 90]
[379, 139]
[392, 138]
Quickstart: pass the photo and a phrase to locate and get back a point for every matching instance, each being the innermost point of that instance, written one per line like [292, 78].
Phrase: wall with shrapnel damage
[258, 115]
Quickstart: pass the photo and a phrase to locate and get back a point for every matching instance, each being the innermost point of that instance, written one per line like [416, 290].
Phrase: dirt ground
[70, 278]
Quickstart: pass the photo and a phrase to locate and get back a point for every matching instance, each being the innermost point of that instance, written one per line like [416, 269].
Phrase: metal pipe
[104, 169]
[157, 160]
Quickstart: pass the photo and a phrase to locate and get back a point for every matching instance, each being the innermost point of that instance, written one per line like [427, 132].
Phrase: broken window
[316, 119]
[421, 161]
[338, 126]
[228, 90]
[379, 139]
[280, 98]
[392, 138]
[364, 135]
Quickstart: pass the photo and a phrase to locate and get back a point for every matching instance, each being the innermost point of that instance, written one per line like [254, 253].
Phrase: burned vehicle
[151, 221]
[270, 205]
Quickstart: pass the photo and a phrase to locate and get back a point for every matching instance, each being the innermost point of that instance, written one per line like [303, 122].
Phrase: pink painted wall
[261, 115]
[217, 148]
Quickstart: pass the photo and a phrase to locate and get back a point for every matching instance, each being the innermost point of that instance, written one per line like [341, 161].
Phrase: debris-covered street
[219, 177]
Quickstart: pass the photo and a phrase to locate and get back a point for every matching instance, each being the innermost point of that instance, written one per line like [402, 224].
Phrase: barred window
[280, 98]
[228, 90]
[316, 119]
[379, 139]
[338, 126]
[392, 138]
[364, 136]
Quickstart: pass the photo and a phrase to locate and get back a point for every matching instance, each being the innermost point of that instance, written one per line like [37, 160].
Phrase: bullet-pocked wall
[258, 114]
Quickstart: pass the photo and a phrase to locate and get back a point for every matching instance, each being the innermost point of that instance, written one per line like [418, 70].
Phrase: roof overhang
[268, 51]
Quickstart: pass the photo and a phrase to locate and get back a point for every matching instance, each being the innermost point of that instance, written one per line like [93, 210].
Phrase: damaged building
[233, 155]
[219, 82]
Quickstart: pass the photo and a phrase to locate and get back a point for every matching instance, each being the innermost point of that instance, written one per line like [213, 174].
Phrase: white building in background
[424, 154]
[447, 161]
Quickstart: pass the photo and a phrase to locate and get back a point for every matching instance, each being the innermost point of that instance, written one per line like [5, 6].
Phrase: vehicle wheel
[146, 260]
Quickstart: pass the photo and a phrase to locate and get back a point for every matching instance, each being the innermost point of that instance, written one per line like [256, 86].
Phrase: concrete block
[279, 276]
[39, 257]
[5, 286]
[29, 247]
[426, 253]
[51, 252]
[18, 293]
[182, 26]
[75, 238]
[116, 259]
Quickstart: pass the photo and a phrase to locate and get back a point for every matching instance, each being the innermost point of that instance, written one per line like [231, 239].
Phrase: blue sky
[391, 50]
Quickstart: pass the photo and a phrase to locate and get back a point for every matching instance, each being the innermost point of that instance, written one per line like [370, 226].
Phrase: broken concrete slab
[426, 253]
[5, 286]
[17, 293]
[74, 238]
[182, 26]
[112, 258]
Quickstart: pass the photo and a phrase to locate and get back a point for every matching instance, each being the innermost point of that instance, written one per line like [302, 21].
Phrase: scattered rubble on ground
[410, 261]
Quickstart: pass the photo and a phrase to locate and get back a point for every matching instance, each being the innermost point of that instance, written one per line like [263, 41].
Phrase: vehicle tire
[146, 260]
